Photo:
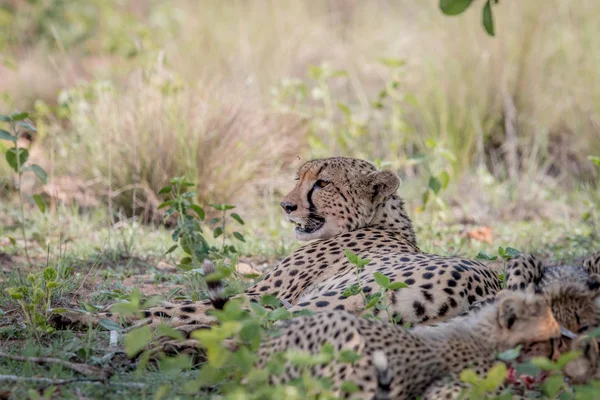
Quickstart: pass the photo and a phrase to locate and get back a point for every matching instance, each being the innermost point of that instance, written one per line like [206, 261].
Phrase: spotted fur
[419, 357]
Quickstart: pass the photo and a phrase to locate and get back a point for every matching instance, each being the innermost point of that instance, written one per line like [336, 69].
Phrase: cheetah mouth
[311, 225]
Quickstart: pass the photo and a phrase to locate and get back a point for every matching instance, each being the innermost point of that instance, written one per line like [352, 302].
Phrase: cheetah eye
[321, 183]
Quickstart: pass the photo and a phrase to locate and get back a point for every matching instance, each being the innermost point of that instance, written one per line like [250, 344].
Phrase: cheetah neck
[391, 216]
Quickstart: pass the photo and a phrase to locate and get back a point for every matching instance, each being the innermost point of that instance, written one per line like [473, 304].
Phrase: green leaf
[199, 211]
[382, 280]
[171, 249]
[5, 135]
[11, 157]
[5, 118]
[50, 274]
[482, 256]
[217, 232]
[469, 376]
[345, 109]
[239, 236]
[351, 291]
[349, 387]
[552, 385]
[510, 355]
[444, 179]
[488, 20]
[544, 363]
[237, 218]
[372, 300]
[19, 116]
[454, 7]
[39, 172]
[136, 340]
[269, 300]
[26, 125]
[397, 285]
[279, 314]
[349, 356]
[510, 252]
[39, 201]
[166, 204]
[166, 189]
[434, 184]
[168, 331]
[109, 325]
[595, 160]
[392, 62]
[528, 369]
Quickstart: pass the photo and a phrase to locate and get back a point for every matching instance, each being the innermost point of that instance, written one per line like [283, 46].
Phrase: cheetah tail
[384, 376]
[214, 286]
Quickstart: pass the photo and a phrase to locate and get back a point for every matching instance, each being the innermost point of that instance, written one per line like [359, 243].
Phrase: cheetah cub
[420, 357]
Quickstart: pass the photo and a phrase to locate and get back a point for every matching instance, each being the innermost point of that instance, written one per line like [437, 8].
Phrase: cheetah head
[576, 304]
[335, 195]
[525, 317]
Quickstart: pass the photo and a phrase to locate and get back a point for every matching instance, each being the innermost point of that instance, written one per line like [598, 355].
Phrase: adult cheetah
[343, 203]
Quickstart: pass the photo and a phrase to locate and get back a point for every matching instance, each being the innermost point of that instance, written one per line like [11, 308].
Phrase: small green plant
[504, 253]
[189, 234]
[35, 299]
[377, 300]
[17, 158]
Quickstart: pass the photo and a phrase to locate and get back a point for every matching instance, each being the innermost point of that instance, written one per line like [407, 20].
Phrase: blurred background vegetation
[236, 94]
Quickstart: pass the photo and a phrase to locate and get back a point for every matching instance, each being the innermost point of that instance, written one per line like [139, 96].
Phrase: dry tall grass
[537, 75]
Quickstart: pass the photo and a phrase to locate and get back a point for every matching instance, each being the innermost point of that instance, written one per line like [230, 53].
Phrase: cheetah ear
[509, 310]
[382, 184]
[592, 263]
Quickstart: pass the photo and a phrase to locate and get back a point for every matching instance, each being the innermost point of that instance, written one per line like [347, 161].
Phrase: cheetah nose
[288, 207]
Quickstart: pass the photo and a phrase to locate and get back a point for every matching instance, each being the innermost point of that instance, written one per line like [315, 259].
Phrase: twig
[93, 381]
[84, 369]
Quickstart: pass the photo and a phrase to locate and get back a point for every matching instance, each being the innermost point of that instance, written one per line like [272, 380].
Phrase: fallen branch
[84, 369]
[56, 382]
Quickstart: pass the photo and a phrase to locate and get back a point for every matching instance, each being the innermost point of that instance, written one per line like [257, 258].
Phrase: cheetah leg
[522, 271]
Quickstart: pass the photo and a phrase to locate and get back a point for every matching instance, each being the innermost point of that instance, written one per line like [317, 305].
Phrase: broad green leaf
[510, 355]
[469, 376]
[397, 285]
[495, 377]
[372, 300]
[269, 300]
[19, 116]
[217, 232]
[166, 204]
[488, 20]
[169, 331]
[392, 62]
[434, 184]
[50, 274]
[511, 252]
[382, 280]
[26, 125]
[136, 340]
[5, 118]
[454, 7]
[349, 387]
[351, 291]
[166, 189]
[279, 314]
[239, 236]
[109, 325]
[552, 385]
[482, 256]
[237, 218]
[544, 364]
[39, 201]
[444, 179]
[4, 135]
[198, 210]
[595, 160]
[11, 157]
[349, 356]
